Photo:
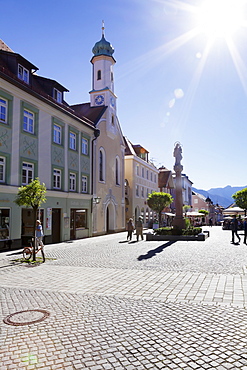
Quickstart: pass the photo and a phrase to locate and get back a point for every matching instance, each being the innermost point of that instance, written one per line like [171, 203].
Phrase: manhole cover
[26, 317]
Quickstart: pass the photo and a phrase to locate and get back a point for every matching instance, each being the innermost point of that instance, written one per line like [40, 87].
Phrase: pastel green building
[41, 136]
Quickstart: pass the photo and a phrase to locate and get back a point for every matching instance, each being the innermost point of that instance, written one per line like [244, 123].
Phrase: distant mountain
[222, 196]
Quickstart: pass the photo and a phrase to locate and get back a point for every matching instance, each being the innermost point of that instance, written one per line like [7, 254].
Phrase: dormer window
[57, 95]
[23, 74]
[99, 75]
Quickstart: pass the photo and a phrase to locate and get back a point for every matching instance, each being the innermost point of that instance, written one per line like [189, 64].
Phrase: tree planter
[200, 237]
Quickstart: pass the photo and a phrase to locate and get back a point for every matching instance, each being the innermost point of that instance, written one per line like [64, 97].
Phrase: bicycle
[28, 251]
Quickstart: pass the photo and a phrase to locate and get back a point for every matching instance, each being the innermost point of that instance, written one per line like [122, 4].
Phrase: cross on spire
[103, 28]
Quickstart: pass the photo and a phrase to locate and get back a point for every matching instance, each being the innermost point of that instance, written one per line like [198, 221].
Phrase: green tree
[32, 195]
[240, 198]
[186, 208]
[157, 201]
[205, 213]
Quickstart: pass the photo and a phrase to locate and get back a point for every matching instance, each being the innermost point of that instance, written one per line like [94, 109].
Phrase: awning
[233, 211]
[194, 214]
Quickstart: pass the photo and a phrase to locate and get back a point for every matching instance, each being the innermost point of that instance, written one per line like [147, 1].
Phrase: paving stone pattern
[119, 305]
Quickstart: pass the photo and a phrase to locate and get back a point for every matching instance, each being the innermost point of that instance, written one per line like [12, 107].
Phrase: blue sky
[174, 80]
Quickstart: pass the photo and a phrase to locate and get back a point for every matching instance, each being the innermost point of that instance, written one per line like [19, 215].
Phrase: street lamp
[96, 200]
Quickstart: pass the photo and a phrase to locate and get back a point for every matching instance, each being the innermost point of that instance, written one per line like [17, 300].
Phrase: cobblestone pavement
[115, 304]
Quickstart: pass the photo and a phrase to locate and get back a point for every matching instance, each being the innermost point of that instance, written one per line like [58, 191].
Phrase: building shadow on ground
[155, 251]
[15, 253]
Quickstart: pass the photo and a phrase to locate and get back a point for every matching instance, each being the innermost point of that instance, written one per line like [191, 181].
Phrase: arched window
[99, 74]
[117, 173]
[101, 165]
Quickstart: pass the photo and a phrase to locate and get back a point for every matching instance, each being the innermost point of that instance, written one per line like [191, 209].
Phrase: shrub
[174, 231]
[163, 231]
[187, 222]
[192, 231]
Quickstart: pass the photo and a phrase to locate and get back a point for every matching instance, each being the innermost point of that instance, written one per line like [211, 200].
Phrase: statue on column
[178, 221]
[177, 154]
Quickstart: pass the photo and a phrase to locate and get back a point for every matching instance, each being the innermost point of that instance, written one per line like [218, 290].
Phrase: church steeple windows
[99, 74]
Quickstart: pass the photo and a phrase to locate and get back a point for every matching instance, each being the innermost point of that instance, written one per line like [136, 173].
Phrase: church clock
[99, 99]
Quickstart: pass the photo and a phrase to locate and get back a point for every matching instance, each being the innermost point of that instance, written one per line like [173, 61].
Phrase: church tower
[108, 148]
[102, 93]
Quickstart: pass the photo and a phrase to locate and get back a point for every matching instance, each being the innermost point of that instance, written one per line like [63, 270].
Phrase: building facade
[41, 136]
[141, 179]
[108, 209]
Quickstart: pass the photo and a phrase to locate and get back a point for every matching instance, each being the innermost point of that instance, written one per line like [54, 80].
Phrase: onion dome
[103, 47]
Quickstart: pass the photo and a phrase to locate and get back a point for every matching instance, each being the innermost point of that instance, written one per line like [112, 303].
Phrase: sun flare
[220, 18]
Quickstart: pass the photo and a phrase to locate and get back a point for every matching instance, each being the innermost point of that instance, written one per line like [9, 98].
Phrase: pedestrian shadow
[155, 251]
[123, 241]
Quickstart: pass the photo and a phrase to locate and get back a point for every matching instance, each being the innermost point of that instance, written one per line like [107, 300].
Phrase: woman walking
[130, 228]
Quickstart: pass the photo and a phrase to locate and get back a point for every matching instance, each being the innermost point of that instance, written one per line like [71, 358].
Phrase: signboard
[48, 218]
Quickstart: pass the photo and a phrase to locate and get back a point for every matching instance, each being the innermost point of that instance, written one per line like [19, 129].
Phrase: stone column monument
[178, 221]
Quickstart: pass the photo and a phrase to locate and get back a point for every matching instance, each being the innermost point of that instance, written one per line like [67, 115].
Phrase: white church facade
[108, 204]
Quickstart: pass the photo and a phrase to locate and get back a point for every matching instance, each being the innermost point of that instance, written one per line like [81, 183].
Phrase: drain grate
[26, 317]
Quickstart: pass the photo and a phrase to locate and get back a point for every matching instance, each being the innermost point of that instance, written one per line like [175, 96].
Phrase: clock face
[99, 99]
[112, 101]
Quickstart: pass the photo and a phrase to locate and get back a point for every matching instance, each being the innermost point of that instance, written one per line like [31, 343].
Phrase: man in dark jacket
[245, 229]
[235, 229]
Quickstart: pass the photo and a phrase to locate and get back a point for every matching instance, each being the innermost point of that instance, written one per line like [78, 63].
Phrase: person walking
[234, 227]
[139, 228]
[245, 229]
[39, 234]
[130, 228]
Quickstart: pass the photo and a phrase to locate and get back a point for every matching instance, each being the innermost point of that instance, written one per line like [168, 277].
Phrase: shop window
[4, 223]
[78, 220]
[81, 219]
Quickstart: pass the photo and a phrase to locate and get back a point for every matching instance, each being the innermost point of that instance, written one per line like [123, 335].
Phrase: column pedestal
[179, 221]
